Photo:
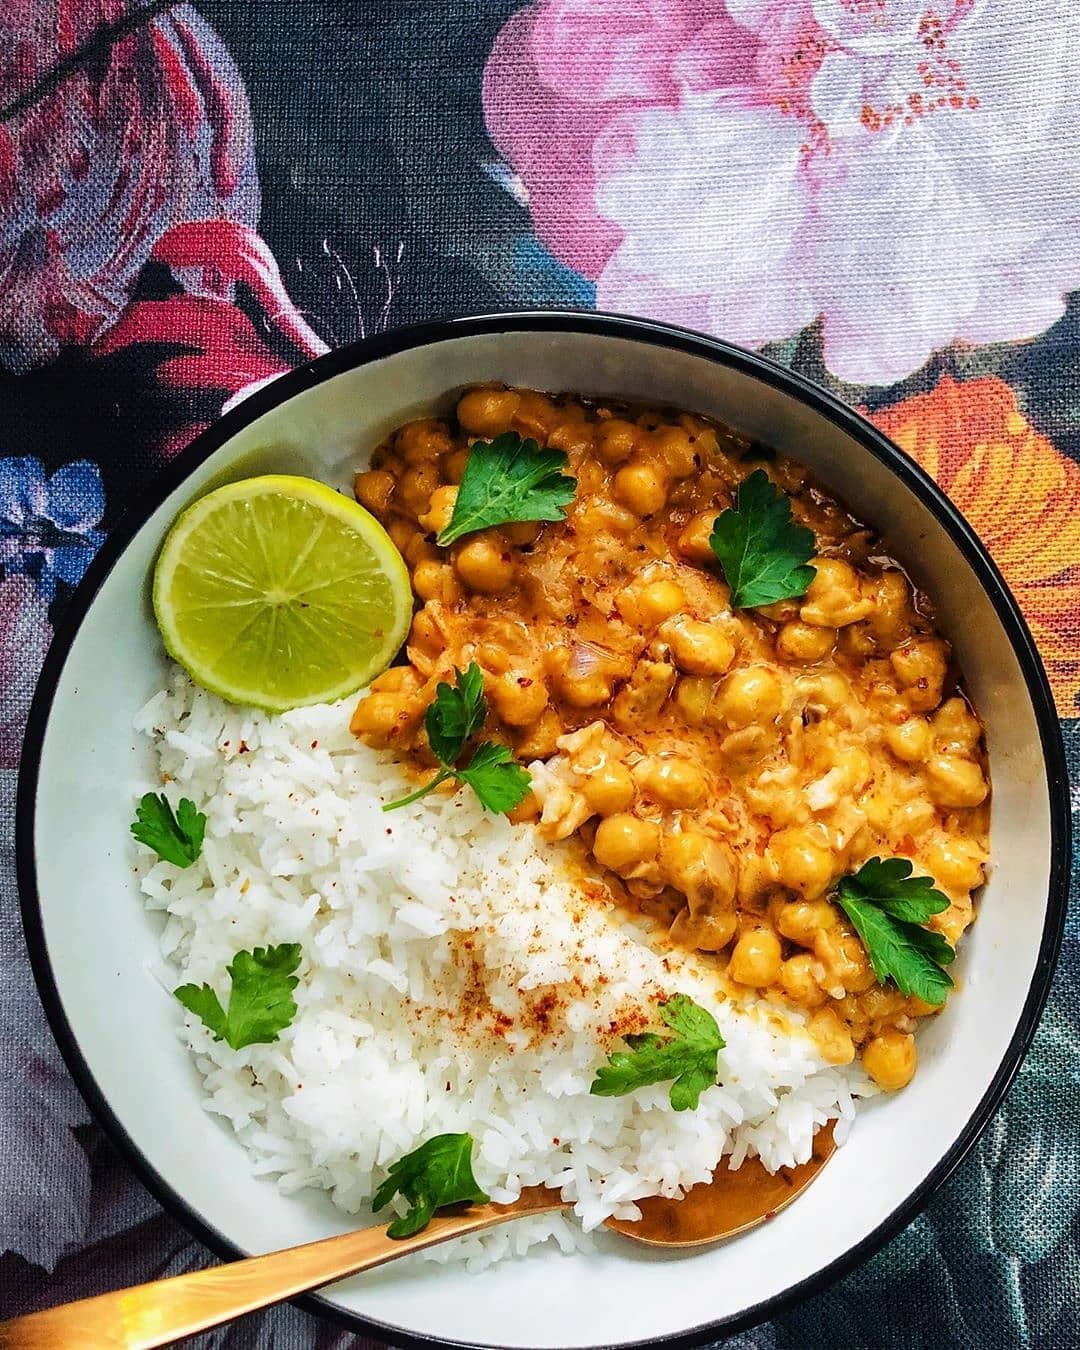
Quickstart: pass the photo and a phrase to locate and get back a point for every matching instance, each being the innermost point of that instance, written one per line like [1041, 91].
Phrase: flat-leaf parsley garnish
[261, 1004]
[177, 837]
[762, 553]
[888, 907]
[437, 1173]
[456, 713]
[505, 480]
[689, 1057]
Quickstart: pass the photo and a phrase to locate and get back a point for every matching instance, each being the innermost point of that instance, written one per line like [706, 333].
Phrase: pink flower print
[154, 131]
[906, 172]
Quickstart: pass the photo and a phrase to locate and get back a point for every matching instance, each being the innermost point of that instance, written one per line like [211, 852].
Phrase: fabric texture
[883, 194]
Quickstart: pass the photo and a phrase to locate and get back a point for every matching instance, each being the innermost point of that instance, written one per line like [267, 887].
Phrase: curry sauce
[722, 768]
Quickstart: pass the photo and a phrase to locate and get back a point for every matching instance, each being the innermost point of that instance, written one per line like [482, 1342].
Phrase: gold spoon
[164, 1310]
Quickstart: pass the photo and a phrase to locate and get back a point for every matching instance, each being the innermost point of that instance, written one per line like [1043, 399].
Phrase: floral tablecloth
[884, 194]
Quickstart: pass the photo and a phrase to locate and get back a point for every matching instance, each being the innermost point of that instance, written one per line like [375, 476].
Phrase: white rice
[420, 929]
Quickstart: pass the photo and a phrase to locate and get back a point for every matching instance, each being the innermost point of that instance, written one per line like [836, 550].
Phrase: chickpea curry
[723, 769]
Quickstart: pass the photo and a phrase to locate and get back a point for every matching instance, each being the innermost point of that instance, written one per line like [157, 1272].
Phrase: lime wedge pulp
[278, 591]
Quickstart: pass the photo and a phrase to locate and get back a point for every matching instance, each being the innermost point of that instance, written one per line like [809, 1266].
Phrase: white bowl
[92, 944]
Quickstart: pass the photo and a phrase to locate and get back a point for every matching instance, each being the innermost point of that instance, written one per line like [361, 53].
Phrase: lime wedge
[279, 591]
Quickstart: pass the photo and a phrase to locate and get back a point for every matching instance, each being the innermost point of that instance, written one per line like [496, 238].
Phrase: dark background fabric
[348, 139]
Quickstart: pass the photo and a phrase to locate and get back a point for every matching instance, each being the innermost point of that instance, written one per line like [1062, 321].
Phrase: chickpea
[418, 550]
[487, 412]
[440, 509]
[693, 542]
[956, 864]
[597, 515]
[655, 602]
[374, 489]
[955, 729]
[920, 666]
[416, 486]
[955, 781]
[426, 633]
[845, 960]
[703, 435]
[693, 694]
[889, 1059]
[645, 693]
[698, 648]
[749, 744]
[536, 415]
[857, 641]
[641, 486]
[911, 818]
[910, 741]
[422, 442]
[453, 465]
[436, 581]
[825, 691]
[853, 767]
[396, 680]
[540, 741]
[834, 598]
[609, 788]
[801, 860]
[799, 981]
[882, 1003]
[802, 920]
[780, 611]
[484, 563]
[401, 533]
[527, 809]
[753, 694]
[674, 448]
[518, 697]
[522, 533]
[624, 841]
[380, 717]
[671, 779]
[702, 868]
[586, 691]
[890, 617]
[572, 435]
[756, 958]
[803, 642]
[708, 932]
[832, 1037]
[615, 440]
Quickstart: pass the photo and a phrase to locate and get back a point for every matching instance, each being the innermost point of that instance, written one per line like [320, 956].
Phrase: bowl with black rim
[94, 948]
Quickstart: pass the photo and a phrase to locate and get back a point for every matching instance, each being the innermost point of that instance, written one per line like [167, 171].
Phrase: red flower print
[149, 130]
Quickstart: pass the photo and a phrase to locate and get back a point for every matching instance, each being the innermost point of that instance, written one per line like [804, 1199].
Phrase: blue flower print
[47, 524]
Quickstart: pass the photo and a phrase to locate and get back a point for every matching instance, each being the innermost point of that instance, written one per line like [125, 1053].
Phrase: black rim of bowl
[661, 336]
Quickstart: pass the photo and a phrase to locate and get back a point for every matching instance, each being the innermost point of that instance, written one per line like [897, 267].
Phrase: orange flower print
[1019, 493]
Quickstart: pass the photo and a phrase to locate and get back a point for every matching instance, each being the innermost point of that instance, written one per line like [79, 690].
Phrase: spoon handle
[164, 1310]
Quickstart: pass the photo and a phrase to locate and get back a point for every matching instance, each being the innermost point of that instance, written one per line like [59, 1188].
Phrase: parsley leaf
[260, 1002]
[437, 1173]
[761, 552]
[458, 712]
[508, 479]
[689, 1057]
[496, 777]
[177, 838]
[887, 907]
